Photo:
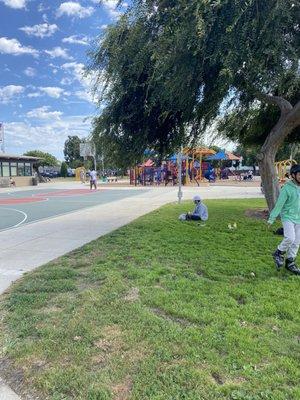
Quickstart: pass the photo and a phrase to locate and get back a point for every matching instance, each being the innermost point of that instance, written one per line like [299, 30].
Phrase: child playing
[288, 206]
[200, 212]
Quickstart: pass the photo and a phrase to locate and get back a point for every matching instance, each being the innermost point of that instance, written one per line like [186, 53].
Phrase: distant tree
[46, 159]
[64, 169]
[72, 152]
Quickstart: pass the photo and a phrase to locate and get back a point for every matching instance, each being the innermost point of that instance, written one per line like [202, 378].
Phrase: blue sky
[43, 49]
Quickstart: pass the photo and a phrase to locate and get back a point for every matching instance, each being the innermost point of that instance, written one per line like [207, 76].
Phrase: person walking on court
[82, 175]
[288, 206]
[93, 179]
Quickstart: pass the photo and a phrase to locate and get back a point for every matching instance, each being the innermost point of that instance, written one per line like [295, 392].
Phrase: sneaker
[291, 266]
[278, 258]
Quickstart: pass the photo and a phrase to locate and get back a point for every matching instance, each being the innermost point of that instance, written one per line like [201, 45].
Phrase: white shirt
[93, 175]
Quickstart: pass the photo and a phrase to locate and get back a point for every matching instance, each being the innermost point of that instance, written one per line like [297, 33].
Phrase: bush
[64, 170]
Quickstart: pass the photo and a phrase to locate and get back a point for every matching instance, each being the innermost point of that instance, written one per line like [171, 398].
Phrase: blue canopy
[174, 158]
[218, 156]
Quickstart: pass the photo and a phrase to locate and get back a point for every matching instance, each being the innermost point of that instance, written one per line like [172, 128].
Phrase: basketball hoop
[88, 149]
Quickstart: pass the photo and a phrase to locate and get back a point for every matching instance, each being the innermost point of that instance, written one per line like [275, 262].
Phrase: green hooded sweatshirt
[288, 204]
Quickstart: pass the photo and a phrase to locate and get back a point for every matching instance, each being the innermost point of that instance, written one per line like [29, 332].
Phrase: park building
[17, 170]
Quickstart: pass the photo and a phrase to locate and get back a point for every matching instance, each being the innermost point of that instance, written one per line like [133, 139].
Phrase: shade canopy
[174, 158]
[199, 151]
[223, 155]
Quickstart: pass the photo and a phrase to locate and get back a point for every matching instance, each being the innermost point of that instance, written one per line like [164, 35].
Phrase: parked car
[71, 172]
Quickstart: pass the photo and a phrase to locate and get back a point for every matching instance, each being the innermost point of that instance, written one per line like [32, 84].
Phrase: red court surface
[22, 200]
[67, 192]
[36, 197]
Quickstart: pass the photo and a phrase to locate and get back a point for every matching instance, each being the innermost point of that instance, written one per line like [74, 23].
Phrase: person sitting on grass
[200, 212]
[288, 206]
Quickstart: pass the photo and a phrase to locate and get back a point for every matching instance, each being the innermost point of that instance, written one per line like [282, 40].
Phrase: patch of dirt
[111, 341]
[181, 321]
[51, 309]
[236, 381]
[121, 391]
[84, 285]
[15, 379]
[258, 213]
[241, 300]
[112, 331]
[217, 378]
[103, 344]
[98, 360]
[132, 295]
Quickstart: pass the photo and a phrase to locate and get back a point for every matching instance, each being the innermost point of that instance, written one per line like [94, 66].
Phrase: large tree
[72, 152]
[46, 159]
[171, 67]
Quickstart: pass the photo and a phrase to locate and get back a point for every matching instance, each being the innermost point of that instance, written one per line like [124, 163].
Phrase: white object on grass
[182, 217]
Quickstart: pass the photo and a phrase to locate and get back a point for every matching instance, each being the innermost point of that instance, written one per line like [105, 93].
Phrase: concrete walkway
[29, 246]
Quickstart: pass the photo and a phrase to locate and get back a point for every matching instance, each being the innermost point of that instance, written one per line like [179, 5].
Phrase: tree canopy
[72, 152]
[172, 67]
[46, 159]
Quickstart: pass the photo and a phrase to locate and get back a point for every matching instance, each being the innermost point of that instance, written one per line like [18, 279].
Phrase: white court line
[19, 211]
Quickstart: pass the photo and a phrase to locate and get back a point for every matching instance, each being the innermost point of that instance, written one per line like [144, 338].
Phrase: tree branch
[284, 105]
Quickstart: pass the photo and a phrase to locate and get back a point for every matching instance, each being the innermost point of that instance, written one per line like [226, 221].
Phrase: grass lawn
[162, 310]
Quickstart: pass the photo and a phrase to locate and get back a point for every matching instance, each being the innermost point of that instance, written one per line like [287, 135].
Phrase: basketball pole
[179, 162]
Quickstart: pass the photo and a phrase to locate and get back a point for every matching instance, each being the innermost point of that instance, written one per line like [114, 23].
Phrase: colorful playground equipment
[282, 168]
[77, 173]
[194, 164]
[195, 167]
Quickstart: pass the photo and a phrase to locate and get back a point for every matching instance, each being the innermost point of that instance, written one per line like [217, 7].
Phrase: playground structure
[193, 168]
[77, 173]
[282, 168]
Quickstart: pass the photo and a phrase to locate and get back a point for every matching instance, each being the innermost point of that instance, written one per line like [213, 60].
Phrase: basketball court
[24, 207]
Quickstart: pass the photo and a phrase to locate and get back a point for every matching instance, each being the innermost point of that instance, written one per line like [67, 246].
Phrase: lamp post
[179, 162]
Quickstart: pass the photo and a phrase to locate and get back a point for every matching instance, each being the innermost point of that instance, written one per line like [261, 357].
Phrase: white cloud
[84, 95]
[29, 71]
[34, 94]
[17, 4]
[9, 93]
[42, 7]
[59, 52]
[47, 135]
[74, 9]
[76, 39]
[52, 91]
[104, 26]
[76, 72]
[44, 113]
[111, 7]
[14, 47]
[66, 81]
[41, 30]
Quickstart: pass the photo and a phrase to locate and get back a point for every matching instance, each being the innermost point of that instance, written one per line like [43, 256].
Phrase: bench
[112, 179]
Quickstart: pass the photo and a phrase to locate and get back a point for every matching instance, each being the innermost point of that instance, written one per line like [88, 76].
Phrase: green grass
[162, 310]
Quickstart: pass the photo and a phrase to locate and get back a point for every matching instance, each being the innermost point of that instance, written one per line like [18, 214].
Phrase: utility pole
[2, 137]
[179, 162]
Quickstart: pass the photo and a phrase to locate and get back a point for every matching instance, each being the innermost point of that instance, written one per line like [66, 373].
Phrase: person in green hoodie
[288, 206]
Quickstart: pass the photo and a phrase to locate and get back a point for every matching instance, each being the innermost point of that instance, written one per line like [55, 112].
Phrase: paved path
[29, 246]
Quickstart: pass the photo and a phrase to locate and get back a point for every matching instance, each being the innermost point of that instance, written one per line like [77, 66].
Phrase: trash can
[35, 181]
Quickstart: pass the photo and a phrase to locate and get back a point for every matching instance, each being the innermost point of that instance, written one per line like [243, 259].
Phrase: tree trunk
[269, 177]
[288, 121]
